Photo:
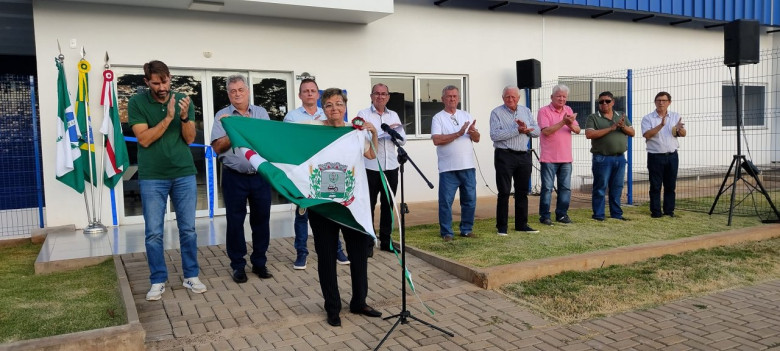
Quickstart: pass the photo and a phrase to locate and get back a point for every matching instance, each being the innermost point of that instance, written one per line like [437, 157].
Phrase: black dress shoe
[385, 247]
[367, 311]
[239, 276]
[370, 251]
[334, 320]
[262, 272]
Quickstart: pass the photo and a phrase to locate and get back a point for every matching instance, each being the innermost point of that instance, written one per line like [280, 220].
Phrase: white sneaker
[155, 292]
[502, 234]
[195, 285]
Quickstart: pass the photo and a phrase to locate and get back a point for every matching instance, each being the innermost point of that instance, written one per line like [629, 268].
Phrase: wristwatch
[185, 120]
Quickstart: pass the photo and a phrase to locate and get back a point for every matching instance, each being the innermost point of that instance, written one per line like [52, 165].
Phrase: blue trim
[530, 145]
[630, 113]
[210, 155]
[717, 10]
[113, 206]
[38, 171]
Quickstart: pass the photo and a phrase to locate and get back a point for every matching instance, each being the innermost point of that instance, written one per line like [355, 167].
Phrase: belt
[611, 155]
[663, 153]
[513, 151]
[237, 172]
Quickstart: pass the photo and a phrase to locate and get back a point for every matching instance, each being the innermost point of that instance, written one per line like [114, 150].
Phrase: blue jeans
[663, 171]
[464, 180]
[549, 173]
[608, 171]
[302, 233]
[154, 199]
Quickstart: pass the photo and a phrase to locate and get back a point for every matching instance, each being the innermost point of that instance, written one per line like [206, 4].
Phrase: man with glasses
[661, 128]
[242, 183]
[608, 131]
[557, 122]
[309, 93]
[386, 158]
[453, 131]
[511, 129]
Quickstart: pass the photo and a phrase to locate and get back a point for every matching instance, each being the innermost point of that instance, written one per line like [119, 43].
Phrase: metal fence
[703, 93]
[21, 189]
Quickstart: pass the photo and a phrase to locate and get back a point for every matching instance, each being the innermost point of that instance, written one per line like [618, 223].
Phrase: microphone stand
[405, 314]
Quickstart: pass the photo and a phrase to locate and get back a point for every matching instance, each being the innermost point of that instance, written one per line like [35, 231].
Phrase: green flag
[68, 161]
[326, 173]
[115, 156]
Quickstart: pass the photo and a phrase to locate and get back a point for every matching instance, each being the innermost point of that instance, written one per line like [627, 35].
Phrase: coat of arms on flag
[332, 180]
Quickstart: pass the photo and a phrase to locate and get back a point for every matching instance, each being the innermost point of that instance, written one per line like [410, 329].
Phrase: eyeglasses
[661, 100]
[330, 106]
[604, 102]
[381, 94]
[454, 120]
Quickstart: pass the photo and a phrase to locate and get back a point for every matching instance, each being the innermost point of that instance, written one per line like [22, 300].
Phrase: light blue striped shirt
[503, 128]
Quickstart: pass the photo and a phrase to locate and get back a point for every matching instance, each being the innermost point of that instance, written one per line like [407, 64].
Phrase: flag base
[95, 228]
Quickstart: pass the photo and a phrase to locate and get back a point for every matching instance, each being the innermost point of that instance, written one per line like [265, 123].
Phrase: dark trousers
[375, 188]
[326, 237]
[512, 165]
[663, 171]
[237, 189]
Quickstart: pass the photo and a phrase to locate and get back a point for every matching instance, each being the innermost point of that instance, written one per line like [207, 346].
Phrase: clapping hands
[522, 128]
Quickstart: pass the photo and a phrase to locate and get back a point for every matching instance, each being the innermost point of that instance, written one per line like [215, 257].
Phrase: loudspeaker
[529, 74]
[740, 42]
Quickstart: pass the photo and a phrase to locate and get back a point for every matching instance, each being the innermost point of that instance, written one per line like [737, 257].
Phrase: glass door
[130, 81]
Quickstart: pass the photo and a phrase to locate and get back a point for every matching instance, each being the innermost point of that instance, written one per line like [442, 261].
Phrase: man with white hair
[557, 122]
[453, 130]
[241, 184]
[511, 129]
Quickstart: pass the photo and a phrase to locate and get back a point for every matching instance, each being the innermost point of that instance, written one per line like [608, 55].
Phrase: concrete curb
[494, 277]
[127, 337]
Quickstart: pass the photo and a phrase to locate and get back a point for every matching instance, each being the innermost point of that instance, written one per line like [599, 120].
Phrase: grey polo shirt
[231, 158]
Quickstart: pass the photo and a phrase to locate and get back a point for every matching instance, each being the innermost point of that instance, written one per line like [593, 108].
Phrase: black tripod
[738, 163]
[405, 315]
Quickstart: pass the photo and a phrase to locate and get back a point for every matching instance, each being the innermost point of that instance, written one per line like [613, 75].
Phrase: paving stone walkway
[286, 313]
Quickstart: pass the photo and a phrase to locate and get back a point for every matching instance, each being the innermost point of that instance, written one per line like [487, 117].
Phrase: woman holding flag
[326, 231]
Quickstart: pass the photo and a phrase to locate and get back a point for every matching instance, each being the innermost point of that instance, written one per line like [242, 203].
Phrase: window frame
[744, 126]
[417, 96]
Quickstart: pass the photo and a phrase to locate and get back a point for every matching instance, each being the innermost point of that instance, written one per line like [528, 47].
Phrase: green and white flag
[68, 165]
[316, 167]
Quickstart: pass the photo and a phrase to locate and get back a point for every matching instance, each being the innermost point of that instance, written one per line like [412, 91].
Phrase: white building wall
[417, 38]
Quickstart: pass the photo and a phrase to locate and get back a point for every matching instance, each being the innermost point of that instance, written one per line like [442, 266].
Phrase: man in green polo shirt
[608, 131]
[161, 121]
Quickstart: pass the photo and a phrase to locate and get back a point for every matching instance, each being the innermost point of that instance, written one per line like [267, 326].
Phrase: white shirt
[456, 155]
[386, 153]
[663, 141]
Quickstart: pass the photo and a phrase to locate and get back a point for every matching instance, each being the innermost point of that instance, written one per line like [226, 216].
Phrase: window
[753, 102]
[417, 98]
[583, 94]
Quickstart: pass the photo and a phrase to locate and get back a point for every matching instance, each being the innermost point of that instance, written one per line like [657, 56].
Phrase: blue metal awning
[704, 12]
[766, 12]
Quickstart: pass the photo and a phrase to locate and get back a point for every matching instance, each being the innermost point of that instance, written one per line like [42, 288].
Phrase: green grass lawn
[574, 296]
[34, 306]
[584, 235]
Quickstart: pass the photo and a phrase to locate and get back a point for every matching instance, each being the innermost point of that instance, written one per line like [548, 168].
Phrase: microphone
[391, 132]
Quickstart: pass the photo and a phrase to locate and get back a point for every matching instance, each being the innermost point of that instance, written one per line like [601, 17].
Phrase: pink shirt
[555, 148]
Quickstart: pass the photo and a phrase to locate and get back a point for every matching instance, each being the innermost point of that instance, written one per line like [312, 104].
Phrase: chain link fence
[703, 93]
